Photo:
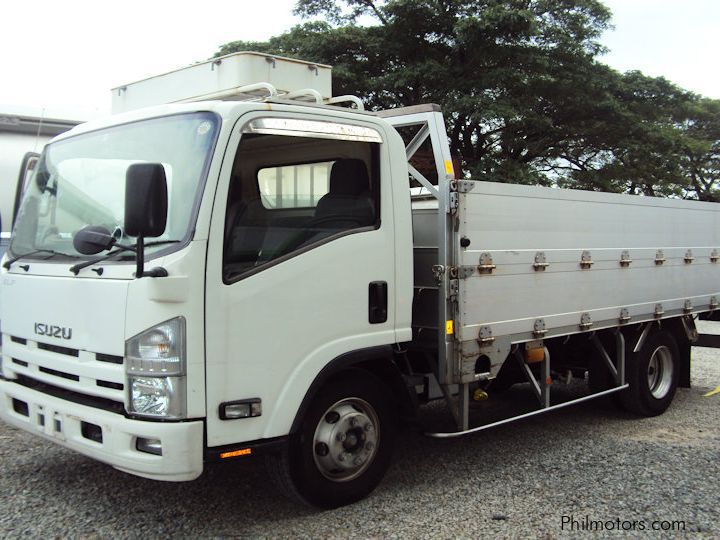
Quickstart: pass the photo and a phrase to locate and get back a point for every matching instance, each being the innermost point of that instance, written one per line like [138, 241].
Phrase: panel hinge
[539, 328]
[485, 265]
[586, 260]
[540, 263]
[585, 322]
[485, 336]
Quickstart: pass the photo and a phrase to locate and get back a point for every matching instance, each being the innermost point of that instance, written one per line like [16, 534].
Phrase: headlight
[155, 366]
[158, 396]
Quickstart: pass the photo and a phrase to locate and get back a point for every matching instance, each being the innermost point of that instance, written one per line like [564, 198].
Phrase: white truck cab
[215, 280]
[282, 222]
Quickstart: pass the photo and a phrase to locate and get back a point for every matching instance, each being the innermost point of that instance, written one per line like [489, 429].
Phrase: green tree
[524, 96]
[700, 149]
[634, 146]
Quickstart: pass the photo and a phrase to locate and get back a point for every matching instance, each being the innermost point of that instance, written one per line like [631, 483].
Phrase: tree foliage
[525, 97]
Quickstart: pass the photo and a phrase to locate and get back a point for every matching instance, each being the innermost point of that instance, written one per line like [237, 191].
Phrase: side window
[294, 186]
[289, 194]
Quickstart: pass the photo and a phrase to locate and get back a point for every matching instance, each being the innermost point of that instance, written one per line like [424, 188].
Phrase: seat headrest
[349, 177]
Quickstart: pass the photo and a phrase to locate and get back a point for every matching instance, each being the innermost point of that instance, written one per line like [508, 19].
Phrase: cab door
[300, 268]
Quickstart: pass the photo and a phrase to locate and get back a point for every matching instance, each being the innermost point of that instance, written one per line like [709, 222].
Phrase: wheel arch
[680, 328]
[378, 361]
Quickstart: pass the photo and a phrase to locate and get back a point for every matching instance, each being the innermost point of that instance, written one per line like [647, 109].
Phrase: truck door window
[294, 186]
[290, 194]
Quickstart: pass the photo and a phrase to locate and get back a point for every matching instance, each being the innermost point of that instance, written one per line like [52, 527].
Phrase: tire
[344, 445]
[652, 374]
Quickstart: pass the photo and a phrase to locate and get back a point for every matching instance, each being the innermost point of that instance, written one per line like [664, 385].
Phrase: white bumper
[182, 442]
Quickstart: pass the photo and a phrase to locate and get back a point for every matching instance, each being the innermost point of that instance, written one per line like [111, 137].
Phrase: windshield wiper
[75, 269]
[52, 253]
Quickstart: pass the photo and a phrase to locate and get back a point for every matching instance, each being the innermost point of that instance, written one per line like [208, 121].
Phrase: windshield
[80, 181]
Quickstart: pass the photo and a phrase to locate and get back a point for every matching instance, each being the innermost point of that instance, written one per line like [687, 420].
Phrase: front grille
[110, 358]
[91, 378]
[58, 349]
[69, 395]
[56, 373]
[108, 384]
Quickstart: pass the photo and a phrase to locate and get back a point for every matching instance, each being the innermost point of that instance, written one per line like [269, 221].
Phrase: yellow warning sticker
[449, 327]
[713, 392]
[449, 167]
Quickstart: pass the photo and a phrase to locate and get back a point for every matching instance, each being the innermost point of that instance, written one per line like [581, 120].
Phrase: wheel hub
[345, 439]
[660, 372]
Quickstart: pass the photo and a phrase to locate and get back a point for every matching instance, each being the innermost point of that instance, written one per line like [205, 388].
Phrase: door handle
[377, 302]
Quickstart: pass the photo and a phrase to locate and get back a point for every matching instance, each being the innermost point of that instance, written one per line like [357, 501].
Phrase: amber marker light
[236, 453]
[535, 355]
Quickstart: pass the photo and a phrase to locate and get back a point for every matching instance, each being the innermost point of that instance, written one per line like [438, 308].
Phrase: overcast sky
[69, 53]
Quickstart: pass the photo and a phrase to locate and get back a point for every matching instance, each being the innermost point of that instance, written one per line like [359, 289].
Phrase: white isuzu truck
[237, 270]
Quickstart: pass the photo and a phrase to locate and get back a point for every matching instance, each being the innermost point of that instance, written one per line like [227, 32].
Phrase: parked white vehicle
[220, 279]
[23, 133]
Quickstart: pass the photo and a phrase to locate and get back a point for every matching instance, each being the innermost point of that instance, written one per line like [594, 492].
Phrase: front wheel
[344, 446]
[652, 374]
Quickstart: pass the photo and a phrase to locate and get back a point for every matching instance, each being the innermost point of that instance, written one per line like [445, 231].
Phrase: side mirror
[146, 200]
[92, 239]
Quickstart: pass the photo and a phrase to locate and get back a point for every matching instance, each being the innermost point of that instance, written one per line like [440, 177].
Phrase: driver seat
[348, 203]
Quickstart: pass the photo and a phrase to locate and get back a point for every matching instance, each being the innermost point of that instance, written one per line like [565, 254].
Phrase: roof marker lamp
[155, 365]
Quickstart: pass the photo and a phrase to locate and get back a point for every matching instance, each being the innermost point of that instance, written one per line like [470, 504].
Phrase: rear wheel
[652, 374]
[344, 445]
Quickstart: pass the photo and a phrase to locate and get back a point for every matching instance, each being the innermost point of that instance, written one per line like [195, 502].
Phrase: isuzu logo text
[42, 329]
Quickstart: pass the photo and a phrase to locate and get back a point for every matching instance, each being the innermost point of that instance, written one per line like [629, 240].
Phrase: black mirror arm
[140, 256]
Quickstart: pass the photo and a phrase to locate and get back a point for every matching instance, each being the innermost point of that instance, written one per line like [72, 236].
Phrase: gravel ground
[518, 480]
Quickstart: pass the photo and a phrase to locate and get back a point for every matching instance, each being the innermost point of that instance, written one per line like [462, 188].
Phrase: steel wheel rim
[660, 372]
[346, 440]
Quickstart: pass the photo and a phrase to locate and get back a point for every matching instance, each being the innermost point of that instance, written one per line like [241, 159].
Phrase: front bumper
[62, 422]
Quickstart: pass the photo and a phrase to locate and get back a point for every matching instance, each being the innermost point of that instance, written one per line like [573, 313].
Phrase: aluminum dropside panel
[512, 223]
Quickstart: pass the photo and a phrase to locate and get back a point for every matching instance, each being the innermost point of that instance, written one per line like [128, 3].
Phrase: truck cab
[286, 258]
